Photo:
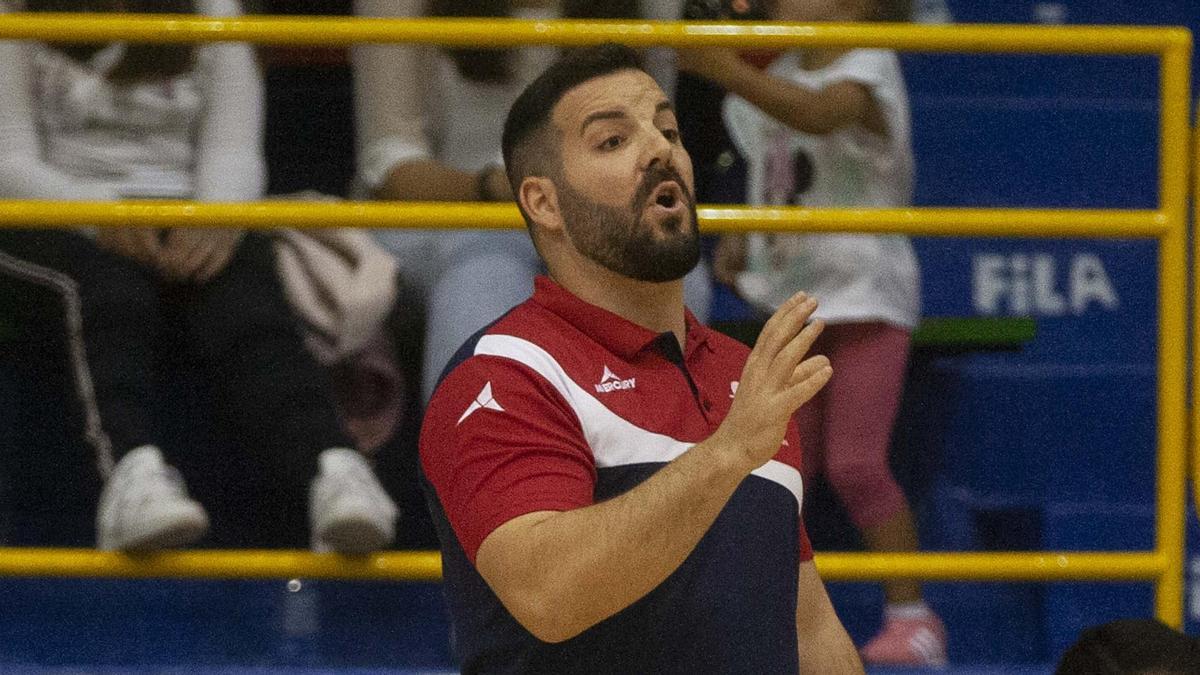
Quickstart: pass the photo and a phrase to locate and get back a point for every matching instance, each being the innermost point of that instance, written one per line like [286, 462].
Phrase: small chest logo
[610, 382]
[733, 389]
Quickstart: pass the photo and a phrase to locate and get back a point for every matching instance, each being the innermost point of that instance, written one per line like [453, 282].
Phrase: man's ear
[538, 197]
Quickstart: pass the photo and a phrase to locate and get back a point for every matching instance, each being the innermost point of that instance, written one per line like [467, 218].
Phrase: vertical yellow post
[1172, 343]
[1195, 419]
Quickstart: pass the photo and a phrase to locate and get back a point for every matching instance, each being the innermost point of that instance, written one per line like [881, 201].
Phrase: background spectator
[830, 127]
[112, 121]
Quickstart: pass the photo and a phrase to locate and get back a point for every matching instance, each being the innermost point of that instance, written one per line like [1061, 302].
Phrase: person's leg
[810, 424]
[484, 275]
[271, 396]
[869, 366]
[110, 317]
[107, 308]
[870, 361]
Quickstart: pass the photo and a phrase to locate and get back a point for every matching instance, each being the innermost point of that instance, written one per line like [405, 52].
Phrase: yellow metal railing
[1194, 445]
[1167, 224]
[427, 565]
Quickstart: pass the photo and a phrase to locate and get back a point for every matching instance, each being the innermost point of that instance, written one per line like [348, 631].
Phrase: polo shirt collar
[612, 331]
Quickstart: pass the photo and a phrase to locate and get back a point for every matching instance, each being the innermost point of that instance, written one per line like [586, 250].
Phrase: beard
[617, 239]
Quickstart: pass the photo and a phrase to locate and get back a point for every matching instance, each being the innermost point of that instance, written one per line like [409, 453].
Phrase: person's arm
[814, 111]
[394, 156]
[561, 572]
[824, 645]
[432, 181]
[660, 61]
[229, 160]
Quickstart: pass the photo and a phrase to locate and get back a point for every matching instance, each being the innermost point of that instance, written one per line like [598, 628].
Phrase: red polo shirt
[561, 404]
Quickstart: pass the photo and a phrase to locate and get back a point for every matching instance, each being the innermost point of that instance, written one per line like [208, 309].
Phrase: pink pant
[845, 431]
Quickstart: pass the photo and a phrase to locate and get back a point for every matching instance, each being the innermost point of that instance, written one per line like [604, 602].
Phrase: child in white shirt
[830, 127]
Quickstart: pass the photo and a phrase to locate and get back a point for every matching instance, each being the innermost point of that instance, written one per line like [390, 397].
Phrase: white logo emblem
[483, 400]
[609, 381]
[732, 389]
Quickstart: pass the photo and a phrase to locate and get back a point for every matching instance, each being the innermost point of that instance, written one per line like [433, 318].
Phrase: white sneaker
[144, 506]
[348, 510]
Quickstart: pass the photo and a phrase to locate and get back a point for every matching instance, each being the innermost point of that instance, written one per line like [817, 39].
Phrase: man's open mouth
[668, 195]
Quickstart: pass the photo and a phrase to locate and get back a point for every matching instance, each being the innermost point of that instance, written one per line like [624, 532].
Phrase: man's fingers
[809, 367]
[794, 351]
[808, 378]
[783, 325]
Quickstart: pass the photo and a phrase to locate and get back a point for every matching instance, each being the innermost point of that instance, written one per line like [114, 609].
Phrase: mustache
[654, 177]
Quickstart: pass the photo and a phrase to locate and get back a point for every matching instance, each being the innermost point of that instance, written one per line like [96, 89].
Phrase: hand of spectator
[710, 63]
[142, 244]
[729, 258]
[775, 381]
[191, 254]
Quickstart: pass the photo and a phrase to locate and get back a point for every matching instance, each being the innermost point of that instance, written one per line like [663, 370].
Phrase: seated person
[113, 121]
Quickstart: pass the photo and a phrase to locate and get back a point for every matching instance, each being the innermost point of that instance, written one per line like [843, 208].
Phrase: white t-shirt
[67, 132]
[855, 277]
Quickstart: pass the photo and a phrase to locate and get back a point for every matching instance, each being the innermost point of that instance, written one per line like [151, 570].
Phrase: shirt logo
[483, 401]
[609, 382]
[732, 388]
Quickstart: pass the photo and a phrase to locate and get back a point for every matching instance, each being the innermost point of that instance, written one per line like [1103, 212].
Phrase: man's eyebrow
[612, 114]
[616, 114]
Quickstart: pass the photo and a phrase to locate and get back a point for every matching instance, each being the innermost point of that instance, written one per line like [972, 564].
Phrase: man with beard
[616, 487]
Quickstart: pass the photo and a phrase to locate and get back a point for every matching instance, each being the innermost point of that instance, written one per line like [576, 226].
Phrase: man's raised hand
[776, 380]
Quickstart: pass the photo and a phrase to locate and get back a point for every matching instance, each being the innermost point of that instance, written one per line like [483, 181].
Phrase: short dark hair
[1130, 646]
[525, 151]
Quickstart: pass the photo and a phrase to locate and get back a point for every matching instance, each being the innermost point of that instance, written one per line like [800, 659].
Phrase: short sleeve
[868, 66]
[499, 442]
[879, 71]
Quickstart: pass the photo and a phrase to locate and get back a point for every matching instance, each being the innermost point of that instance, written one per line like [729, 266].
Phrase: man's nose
[658, 150]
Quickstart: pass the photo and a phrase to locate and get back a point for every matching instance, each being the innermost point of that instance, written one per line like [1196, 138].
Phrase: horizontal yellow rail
[426, 565]
[1025, 566]
[516, 32]
[455, 215]
[239, 564]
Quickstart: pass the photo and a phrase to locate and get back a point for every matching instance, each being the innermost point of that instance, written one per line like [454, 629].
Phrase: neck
[654, 306]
